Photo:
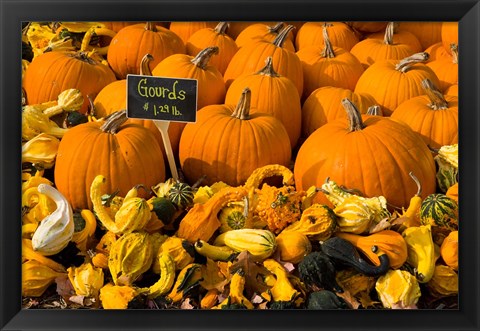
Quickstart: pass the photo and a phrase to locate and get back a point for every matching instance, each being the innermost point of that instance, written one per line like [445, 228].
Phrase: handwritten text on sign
[161, 98]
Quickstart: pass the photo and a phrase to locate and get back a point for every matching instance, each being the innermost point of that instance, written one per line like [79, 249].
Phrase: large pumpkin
[367, 27]
[399, 37]
[251, 58]
[217, 36]
[262, 31]
[433, 115]
[372, 49]
[110, 148]
[54, 72]
[325, 105]
[371, 154]
[311, 34]
[449, 34]
[328, 65]
[390, 82]
[437, 51]
[185, 29]
[427, 33]
[272, 94]
[132, 42]
[228, 142]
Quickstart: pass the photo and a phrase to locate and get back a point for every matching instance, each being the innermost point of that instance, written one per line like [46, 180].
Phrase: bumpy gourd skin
[318, 270]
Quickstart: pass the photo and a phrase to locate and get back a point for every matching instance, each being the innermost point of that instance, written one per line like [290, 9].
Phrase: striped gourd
[181, 195]
[439, 210]
[258, 242]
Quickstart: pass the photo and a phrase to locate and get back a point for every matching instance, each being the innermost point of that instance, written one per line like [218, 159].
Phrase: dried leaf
[254, 273]
[349, 299]
[64, 287]
[382, 225]
[186, 304]
[213, 277]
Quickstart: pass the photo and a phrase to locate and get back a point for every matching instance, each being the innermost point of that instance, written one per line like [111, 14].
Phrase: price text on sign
[161, 98]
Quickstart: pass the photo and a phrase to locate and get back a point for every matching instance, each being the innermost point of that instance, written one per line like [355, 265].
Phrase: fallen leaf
[349, 299]
[186, 304]
[64, 287]
[213, 278]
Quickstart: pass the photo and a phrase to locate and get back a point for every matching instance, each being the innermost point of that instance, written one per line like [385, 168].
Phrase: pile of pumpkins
[322, 167]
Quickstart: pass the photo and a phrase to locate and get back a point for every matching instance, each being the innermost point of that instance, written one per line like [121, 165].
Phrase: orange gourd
[452, 192]
[328, 65]
[386, 241]
[311, 34]
[373, 48]
[261, 31]
[390, 82]
[446, 69]
[449, 250]
[111, 148]
[251, 58]
[433, 115]
[217, 36]
[371, 154]
[132, 42]
[228, 142]
[325, 105]
[272, 94]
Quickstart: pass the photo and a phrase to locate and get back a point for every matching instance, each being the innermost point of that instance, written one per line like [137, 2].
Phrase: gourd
[439, 210]
[188, 278]
[317, 222]
[28, 254]
[36, 278]
[317, 271]
[272, 94]
[447, 162]
[260, 243]
[181, 195]
[384, 46]
[117, 149]
[391, 82]
[433, 115]
[379, 145]
[85, 225]
[311, 33]
[167, 276]
[131, 43]
[444, 282]
[328, 65]
[452, 192]
[449, 250]
[203, 145]
[116, 296]
[282, 290]
[215, 253]
[201, 220]
[56, 230]
[163, 208]
[86, 279]
[179, 250]
[236, 299]
[235, 215]
[130, 256]
[421, 251]
[293, 246]
[398, 289]
[35, 122]
[325, 299]
[385, 241]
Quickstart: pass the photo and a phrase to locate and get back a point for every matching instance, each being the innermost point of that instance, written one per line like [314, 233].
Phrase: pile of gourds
[321, 172]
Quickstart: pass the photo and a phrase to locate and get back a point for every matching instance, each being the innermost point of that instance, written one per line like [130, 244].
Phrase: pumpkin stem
[419, 185]
[276, 28]
[389, 31]
[328, 50]
[91, 110]
[202, 58]
[268, 69]
[282, 36]
[145, 65]
[114, 121]
[150, 26]
[454, 49]
[354, 116]
[405, 64]
[83, 56]
[221, 27]
[375, 110]
[242, 111]
[436, 97]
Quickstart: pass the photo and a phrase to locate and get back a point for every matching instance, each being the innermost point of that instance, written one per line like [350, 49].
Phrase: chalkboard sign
[161, 98]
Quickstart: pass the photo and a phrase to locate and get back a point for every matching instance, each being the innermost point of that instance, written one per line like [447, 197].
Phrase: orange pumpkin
[399, 37]
[237, 27]
[427, 33]
[185, 29]
[217, 36]
[110, 148]
[390, 82]
[368, 27]
[206, 146]
[272, 94]
[452, 90]
[117, 26]
[311, 34]
[371, 154]
[449, 33]
[54, 72]
[328, 66]
[251, 58]
[261, 31]
[452, 192]
[325, 105]
[373, 48]
[132, 42]
[433, 115]
[437, 51]
[446, 69]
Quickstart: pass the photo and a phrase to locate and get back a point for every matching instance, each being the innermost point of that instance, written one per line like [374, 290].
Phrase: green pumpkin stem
[242, 111]
[405, 64]
[268, 69]
[436, 97]
[354, 116]
[282, 36]
[114, 121]
[221, 27]
[202, 58]
[328, 49]
[454, 49]
[145, 65]
[150, 26]
[389, 31]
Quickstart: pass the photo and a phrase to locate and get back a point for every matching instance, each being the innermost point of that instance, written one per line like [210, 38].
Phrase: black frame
[13, 12]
